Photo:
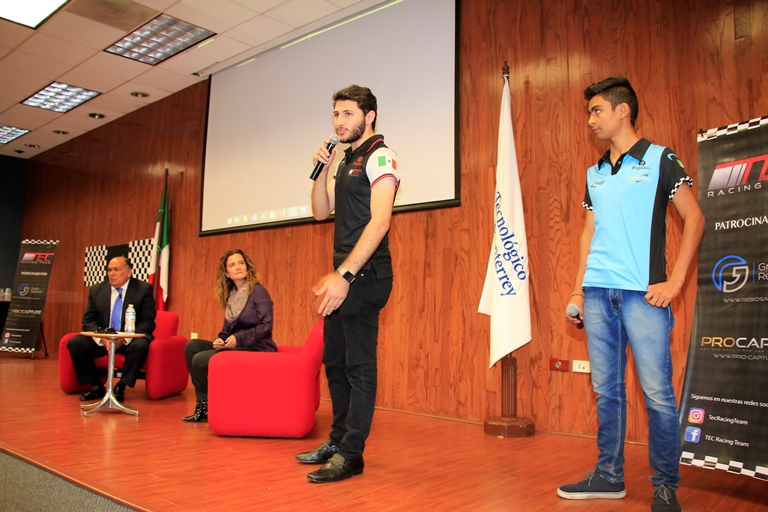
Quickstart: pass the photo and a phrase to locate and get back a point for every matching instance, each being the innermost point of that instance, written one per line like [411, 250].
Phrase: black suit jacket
[139, 294]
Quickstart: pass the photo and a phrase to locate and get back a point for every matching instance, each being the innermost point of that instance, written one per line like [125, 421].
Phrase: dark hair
[127, 260]
[616, 90]
[363, 96]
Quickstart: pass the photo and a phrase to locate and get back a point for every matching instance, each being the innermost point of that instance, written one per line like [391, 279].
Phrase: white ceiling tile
[90, 80]
[123, 15]
[30, 118]
[185, 63]
[114, 65]
[79, 118]
[166, 80]
[218, 49]
[344, 3]
[82, 31]
[117, 102]
[217, 16]
[34, 65]
[12, 34]
[260, 6]
[158, 5]
[46, 46]
[8, 99]
[298, 13]
[127, 88]
[16, 148]
[259, 30]
[21, 80]
[203, 56]
[57, 138]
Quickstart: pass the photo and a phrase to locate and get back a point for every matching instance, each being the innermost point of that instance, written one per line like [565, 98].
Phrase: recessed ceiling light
[33, 146]
[61, 132]
[30, 14]
[60, 97]
[160, 39]
[9, 133]
[96, 115]
[140, 94]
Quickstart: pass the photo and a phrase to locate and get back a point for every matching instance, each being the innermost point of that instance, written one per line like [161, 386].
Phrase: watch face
[349, 276]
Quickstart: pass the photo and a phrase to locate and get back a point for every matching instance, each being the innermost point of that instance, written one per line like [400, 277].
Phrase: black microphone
[332, 141]
[573, 311]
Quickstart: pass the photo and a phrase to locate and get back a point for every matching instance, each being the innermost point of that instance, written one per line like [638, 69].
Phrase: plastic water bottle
[130, 319]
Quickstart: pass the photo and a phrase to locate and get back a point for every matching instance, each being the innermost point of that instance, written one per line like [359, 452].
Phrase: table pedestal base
[109, 401]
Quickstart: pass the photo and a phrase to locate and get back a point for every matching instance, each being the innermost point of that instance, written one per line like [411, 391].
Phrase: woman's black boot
[201, 412]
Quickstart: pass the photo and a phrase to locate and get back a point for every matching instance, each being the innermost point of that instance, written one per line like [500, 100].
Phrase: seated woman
[247, 323]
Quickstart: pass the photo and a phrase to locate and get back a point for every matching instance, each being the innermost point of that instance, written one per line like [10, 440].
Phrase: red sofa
[266, 394]
[165, 371]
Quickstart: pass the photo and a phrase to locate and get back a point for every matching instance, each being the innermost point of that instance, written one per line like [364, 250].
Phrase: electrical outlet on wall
[193, 336]
[558, 365]
[580, 366]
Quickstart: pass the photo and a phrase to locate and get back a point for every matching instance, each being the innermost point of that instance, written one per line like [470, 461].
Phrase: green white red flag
[158, 267]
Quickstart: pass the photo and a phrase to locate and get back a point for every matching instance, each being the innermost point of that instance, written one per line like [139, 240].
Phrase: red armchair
[266, 394]
[165, 371]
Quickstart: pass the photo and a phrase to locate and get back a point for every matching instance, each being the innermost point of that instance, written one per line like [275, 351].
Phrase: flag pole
[508, 424]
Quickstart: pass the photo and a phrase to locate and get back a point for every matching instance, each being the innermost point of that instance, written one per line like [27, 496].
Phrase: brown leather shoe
[95, 393]
[337, 468]
[319, 455]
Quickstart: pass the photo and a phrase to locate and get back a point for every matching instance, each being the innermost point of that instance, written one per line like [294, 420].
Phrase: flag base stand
[509, 424]
[509, 427]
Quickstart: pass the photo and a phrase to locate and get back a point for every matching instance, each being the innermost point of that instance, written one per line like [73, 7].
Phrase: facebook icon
[692, 434]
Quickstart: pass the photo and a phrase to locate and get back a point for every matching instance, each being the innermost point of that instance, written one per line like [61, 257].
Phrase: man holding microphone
[361, 192]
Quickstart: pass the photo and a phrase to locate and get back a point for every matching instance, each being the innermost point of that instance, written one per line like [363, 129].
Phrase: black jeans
[349, 355]
[84, 351]
[198, 354]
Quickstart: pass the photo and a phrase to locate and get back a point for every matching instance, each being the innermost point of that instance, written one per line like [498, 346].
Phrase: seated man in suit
[107, 303]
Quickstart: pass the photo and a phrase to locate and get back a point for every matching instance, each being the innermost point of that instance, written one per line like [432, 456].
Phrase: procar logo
[730, 274]
[738, 176]
[37, 257]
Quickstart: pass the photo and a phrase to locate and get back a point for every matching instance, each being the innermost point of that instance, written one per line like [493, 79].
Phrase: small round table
[109, 401]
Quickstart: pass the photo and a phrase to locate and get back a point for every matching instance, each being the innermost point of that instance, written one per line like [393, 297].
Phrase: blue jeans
[349, 355]
[613, 319]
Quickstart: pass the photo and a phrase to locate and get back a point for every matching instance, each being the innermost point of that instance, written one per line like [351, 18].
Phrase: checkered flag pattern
[95, 264]
[40, 242]
[19, 350]
[732, 466]
[714, 133]
[139, 251]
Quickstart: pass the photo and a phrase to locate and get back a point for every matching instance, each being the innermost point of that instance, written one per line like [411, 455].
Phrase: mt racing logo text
[37, 257]
[738, 176]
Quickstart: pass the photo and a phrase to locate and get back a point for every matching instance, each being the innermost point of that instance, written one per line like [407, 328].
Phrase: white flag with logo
[505, 292]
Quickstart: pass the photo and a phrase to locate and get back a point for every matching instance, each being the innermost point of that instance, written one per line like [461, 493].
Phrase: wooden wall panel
[695, 65]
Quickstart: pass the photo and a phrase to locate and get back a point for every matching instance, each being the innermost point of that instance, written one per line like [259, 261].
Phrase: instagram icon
[696, 415]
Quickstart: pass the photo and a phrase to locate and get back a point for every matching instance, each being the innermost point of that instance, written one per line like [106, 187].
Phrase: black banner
[28, 296]
[724, 407]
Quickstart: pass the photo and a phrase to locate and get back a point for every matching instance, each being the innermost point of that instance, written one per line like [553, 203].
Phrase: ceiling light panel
[9, 133]
[59, 97]
[160, 39]
[31, 14]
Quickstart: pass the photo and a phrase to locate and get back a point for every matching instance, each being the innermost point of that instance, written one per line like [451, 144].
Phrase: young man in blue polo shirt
[624, 293]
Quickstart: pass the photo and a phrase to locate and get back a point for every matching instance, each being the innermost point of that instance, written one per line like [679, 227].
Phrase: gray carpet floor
[26, 488]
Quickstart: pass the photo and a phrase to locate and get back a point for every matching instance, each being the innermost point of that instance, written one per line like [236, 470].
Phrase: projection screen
[268, 115]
